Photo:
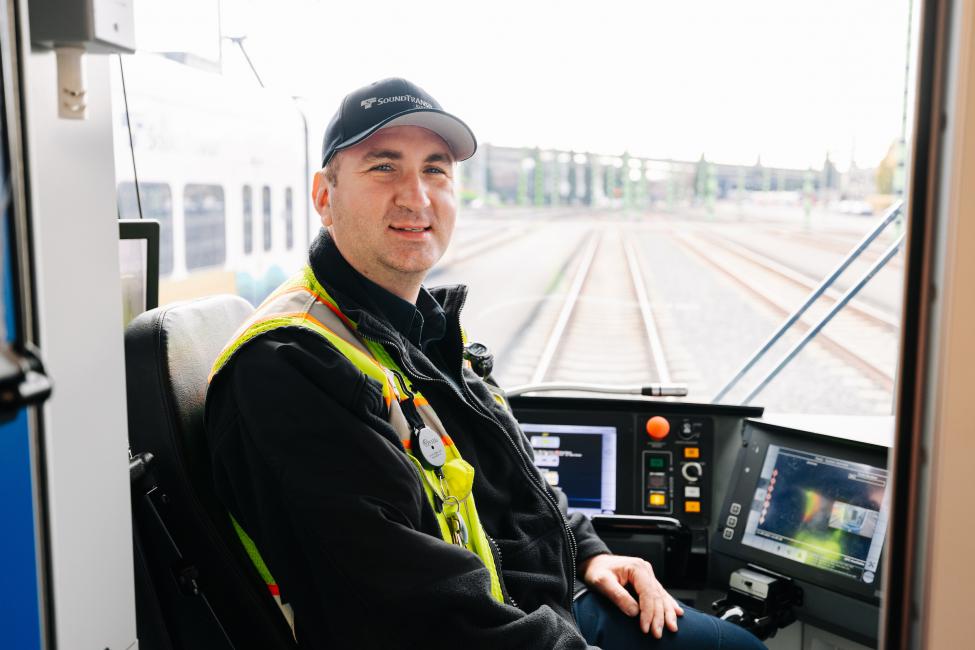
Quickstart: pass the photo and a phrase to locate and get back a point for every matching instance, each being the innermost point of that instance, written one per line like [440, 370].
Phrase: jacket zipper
[500, 567]
[533, 476]
[571, 546]
[570, 538]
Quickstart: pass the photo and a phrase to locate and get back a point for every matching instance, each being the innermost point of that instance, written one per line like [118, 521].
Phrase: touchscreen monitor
[809, 506]
[580, 460]
[820, 511]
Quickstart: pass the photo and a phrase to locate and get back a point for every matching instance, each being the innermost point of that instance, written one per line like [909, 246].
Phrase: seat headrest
[169, 352]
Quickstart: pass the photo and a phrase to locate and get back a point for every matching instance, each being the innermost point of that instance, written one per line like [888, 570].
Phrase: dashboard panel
[634, 457]
[741, 494]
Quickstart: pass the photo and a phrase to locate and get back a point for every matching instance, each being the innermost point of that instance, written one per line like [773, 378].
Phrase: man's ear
[320, 197]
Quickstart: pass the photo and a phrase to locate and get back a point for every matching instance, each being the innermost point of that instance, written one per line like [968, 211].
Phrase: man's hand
[609, 574]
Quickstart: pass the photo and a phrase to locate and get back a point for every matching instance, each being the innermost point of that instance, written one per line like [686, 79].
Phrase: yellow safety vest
[303, 302]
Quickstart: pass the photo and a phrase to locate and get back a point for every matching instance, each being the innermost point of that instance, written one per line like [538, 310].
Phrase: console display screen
[580, 460]
[820, 511]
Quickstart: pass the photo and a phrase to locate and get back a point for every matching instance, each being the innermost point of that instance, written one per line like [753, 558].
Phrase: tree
[887, 169]
[700, 179]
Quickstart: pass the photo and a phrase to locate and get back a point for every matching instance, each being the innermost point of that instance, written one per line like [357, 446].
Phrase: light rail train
[221, 167]
[769, 404]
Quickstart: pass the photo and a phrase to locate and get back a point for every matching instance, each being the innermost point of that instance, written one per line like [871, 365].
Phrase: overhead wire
[128, 124]
[239, 42]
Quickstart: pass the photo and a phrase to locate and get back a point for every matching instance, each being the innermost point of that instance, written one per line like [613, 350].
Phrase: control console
[634, 457]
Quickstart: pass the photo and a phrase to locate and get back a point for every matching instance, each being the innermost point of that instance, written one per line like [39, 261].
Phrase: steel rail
[649, 322]
[837, 346]
[817, 328]
[551, 346]
[827, 282]
[888, 319]
[661, 388]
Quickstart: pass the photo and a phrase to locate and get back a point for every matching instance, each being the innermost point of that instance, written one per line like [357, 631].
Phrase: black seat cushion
[169, 352]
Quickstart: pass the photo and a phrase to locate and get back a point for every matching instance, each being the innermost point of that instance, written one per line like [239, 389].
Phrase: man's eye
[384, 167]
[436, 170]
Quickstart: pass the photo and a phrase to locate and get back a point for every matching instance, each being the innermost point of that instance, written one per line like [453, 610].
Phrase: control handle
[650, 390]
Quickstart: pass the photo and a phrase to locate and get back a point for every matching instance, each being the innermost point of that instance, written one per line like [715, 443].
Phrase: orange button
[658, 427]
[692, 452]
[658, 499]
[692, 506]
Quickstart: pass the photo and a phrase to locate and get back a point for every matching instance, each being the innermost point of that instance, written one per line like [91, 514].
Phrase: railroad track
[839, 243]
[807, 282]
[861, 336]
[474, 246]
[496, 233]
[597, 325]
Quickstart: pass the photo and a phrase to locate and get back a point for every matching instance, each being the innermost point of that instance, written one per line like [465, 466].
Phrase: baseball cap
[393, 102]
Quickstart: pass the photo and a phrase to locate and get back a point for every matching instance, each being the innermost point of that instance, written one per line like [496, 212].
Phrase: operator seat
[195, 585]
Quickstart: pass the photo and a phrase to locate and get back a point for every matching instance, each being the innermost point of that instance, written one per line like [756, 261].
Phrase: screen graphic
[821, 511]
[580, 460]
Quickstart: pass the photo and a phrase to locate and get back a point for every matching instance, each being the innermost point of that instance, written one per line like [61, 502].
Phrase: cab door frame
[72, 214]
[927, 592]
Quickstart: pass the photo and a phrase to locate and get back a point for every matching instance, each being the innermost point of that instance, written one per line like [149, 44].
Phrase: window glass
[248, 209]
[266, 216]
[289, 219]
[636, 216]
[157, 203]
[193, 127]
[648, 205]
[205, 216]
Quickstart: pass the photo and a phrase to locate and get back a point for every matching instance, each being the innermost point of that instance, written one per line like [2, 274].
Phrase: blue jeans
[603, 624]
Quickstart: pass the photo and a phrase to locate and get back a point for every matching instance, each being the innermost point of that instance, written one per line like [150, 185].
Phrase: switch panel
[675, 463]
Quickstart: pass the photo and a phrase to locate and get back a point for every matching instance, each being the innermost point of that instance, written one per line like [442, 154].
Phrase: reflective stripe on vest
[303, 302]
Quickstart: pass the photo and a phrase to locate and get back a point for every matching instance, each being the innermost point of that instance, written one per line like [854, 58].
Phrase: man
[388, 492]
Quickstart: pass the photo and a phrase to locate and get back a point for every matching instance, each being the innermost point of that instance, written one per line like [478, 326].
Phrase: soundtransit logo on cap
[397, 102]
[368, 103]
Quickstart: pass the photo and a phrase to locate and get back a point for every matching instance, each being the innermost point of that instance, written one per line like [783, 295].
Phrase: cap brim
[454, 132]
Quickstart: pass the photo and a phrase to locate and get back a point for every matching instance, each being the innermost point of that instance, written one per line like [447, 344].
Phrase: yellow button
[692, 452]
[692, 506]
[658, 499]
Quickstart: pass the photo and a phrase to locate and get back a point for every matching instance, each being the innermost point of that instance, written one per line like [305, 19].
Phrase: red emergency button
[658, 427]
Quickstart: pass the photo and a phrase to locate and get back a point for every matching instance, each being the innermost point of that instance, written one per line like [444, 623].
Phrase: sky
[785, 80]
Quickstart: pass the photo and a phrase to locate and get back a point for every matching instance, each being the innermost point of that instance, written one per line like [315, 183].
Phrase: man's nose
[411, 193]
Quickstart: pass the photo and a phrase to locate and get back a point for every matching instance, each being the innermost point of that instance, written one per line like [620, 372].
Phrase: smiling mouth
[418, 229]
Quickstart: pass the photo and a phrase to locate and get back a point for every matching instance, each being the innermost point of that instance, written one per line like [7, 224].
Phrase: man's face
[392, 207]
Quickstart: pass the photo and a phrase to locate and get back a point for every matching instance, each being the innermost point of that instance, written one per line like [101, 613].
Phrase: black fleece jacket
[304, 459]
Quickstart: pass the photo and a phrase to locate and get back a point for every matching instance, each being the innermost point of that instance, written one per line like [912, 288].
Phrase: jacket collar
[341, 281]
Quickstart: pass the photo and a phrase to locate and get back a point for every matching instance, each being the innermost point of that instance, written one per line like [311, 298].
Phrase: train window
[203, 207]
[248, 209]
[664, 232]
[157, 203]
[289, 219]
[657, 235]
[266, 216]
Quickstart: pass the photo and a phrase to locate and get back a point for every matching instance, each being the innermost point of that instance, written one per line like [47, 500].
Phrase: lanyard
[428, 447]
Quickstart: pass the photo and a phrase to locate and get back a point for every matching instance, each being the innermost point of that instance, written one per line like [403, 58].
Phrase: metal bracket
[23, 381]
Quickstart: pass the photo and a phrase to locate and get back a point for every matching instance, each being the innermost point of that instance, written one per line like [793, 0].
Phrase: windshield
[657, 187]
